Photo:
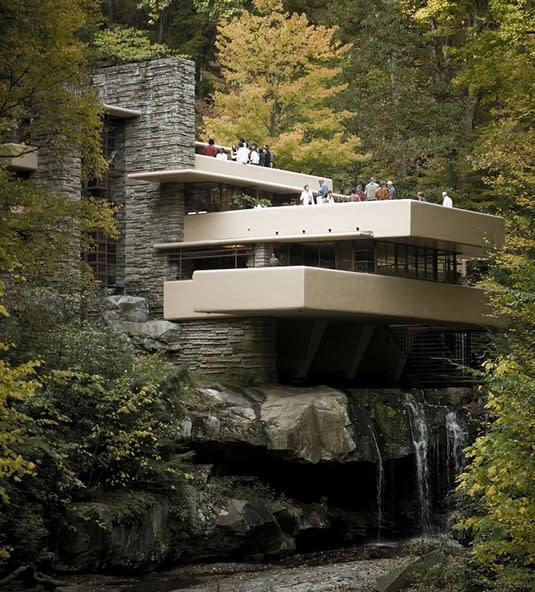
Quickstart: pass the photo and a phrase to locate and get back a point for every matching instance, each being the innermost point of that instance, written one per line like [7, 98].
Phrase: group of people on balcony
[372, 192]
[242, 153]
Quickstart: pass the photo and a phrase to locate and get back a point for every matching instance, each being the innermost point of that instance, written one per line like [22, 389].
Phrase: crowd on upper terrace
[373, 191]
[244, 153]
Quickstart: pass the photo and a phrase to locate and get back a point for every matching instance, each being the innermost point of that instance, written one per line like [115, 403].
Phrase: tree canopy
[279, 82]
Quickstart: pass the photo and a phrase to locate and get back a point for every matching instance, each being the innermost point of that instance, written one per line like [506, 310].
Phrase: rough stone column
[62, 173]
[162, 137]
[262, 255]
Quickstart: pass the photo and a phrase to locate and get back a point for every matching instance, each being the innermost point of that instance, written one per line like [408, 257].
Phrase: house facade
[345, 293]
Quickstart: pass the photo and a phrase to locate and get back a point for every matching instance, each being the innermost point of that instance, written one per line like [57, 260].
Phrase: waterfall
[380, 481]
[420, 440]
[456, 442]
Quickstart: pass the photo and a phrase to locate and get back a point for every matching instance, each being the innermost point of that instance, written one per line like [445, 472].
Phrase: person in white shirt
[447, 202]
[371, 189]
[254, 157]
[243, 154]
[307, 197]
[221, 154]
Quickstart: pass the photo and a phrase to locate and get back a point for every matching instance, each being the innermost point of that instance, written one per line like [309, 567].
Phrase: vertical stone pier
[161, 137]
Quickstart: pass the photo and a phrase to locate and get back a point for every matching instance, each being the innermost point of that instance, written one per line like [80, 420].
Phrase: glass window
[310, 255]
[185, 262]
[297, 255]
[421, 263]
[386, 258]
[344, 256]
[411, 261]
[401, 260]
[365, 255]
[441, 266]
[327, 255]
[431, 271]
[282, 252]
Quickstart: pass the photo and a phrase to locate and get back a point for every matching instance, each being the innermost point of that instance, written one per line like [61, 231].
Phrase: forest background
[435, 95]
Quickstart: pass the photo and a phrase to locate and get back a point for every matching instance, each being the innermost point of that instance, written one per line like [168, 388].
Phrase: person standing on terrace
[371, 189]
[357, 194]
[307, 197]
[254, 157]
[321, 195]
[221, 154]
[268, 158]
[447, 202]
[382, 193]
[210, 149]
[243, 153]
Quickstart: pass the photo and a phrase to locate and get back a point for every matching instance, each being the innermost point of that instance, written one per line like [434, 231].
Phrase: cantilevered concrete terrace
[421, 224]
[19, 157]
[324, 293]
[209, 169]
[300, 291]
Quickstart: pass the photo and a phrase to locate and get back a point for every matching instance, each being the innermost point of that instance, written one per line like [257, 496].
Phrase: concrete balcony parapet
[210, 169]
[421, 224]
[19, 157]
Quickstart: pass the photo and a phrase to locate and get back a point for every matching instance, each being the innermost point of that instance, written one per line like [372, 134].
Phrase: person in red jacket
[210, 149]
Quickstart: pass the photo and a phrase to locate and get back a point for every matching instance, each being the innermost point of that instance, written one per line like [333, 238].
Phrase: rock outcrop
[280, 469]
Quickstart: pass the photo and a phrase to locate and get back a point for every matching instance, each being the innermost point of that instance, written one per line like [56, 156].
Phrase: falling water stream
[420, 440]
[457, 441]
[380, 481]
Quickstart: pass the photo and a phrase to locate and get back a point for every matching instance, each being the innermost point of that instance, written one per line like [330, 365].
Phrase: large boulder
[228, 528]
[91, 539]
[151, 336]
[225, 415]
[128, 308]
[310, 424]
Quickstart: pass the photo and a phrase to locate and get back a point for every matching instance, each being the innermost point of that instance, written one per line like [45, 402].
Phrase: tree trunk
[162, 25]
[273, 119]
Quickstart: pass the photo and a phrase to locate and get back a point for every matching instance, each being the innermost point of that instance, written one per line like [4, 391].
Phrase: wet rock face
[311, 425]
[375, 460]
[282, 469]
[91, 540]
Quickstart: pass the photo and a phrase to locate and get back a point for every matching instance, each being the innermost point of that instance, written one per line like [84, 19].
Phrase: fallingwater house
[354, 293]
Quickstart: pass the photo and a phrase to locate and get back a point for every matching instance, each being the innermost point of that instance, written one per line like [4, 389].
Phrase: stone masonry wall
[61, 173]
[162, 137]
[237, 350]
[262, 255]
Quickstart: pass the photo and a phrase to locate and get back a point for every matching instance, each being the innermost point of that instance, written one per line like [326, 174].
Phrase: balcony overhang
[212, 170]
[408, 221]
[324, 293]
[20, 157]
[120, 112]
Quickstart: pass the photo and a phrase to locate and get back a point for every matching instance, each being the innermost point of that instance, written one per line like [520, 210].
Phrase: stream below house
[342, 570]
